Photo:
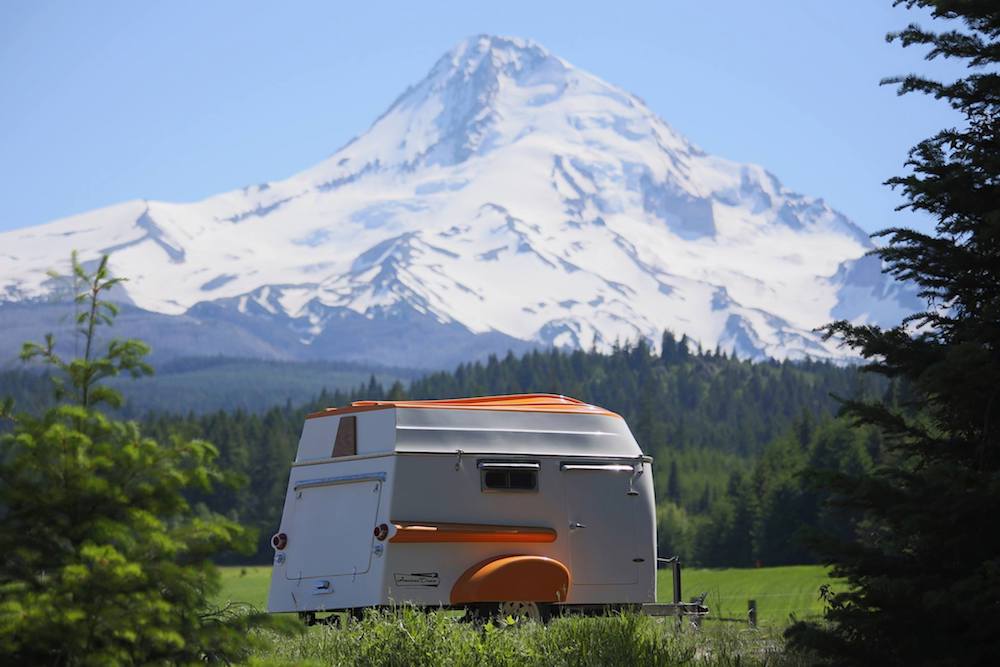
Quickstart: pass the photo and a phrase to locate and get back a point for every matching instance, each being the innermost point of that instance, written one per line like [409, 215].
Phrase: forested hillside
[680, 400]
[207, 384]
[729, 438]
[30, 391]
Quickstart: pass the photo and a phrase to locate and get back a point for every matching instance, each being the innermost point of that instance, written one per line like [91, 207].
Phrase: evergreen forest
[730, 439]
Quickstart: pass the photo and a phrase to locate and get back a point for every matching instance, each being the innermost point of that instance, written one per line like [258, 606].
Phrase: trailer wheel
[480, 613]
[475, 614]
[334, 620]
[522, 610]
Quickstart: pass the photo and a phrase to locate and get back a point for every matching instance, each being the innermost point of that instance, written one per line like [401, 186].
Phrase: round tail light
[279, 541]
[381, 532]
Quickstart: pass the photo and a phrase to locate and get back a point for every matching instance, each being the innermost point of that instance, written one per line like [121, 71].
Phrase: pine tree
[683, 351]
[674, 483]
[924, 569]
[804, 428]
[668, 347]
[104, 561]
[705, 501]
[398, 393]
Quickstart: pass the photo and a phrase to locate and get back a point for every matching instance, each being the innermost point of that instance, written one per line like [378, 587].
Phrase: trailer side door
[332, 522]
[603, 523]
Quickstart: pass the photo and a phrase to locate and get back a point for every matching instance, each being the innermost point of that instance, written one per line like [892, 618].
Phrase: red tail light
[279, 541]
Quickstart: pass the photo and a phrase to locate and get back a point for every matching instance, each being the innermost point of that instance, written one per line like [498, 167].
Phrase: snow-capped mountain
[506, 200]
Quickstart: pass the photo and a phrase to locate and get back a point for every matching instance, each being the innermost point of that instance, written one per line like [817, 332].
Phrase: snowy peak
[507, 199]
[453, 112]
[510, 57]
[473, 77]
[459, 109]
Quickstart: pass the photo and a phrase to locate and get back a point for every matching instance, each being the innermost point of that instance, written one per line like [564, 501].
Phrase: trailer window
[509, 475]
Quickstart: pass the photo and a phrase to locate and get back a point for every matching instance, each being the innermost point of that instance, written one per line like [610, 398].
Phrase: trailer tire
[334, 620]
[520, 611]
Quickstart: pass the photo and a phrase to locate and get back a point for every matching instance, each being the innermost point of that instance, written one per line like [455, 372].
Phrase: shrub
[103, 560]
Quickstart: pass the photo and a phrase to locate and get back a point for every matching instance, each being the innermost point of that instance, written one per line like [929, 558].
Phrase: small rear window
[346, 442]
[515, 477]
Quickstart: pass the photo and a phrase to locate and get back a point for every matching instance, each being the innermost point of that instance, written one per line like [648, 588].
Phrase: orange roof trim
[509, 403]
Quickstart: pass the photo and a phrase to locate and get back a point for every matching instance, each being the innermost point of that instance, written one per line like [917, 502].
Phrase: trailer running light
[279, 541]
[381, 532]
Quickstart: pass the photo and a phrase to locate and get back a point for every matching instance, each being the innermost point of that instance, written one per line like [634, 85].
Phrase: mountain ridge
[505, 201]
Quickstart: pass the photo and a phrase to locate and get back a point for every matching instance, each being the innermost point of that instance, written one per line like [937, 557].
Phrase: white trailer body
[457, 503]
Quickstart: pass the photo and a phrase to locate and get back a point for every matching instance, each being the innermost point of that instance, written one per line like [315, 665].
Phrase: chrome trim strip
[342, 459]
[508, 465]
[609, 467]
[342, 479]
[473, 429]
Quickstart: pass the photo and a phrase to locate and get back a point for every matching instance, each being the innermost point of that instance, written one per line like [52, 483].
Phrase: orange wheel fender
[512, 579]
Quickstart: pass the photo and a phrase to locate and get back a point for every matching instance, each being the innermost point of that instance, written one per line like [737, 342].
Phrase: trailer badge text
[416, 579]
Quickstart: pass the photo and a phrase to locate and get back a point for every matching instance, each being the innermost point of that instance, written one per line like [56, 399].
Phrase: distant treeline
[31, 391]
[207, 384]
[729, 438]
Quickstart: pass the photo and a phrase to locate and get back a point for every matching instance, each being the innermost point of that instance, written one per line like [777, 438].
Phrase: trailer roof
[511, 403]
[523, 425]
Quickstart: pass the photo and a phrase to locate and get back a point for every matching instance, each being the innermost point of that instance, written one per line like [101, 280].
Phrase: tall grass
[408, 636]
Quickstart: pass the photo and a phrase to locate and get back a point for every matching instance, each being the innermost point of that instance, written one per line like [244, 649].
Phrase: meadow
[409, 637]
[781, 592]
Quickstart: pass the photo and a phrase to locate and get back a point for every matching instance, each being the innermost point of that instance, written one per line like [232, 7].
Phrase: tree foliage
[925, 571]
[102, 558]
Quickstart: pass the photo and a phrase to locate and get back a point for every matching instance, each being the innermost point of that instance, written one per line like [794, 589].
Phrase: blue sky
[109, 101]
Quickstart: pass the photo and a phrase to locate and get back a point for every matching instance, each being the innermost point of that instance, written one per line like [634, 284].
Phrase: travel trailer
[528, 504]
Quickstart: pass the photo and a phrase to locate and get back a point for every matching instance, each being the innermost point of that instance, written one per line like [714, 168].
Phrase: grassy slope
[779, 591]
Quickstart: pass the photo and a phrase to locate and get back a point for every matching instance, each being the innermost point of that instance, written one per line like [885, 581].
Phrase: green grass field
[246, 584]
[780, 592]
